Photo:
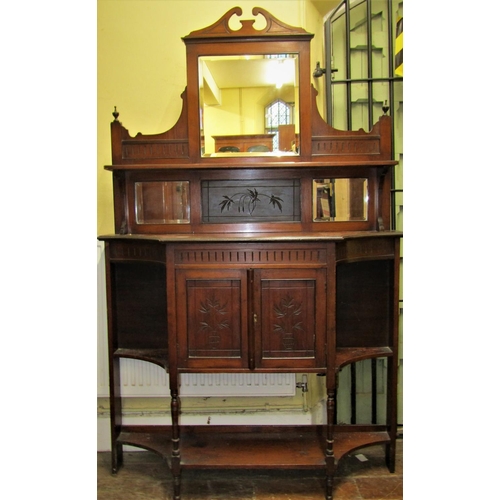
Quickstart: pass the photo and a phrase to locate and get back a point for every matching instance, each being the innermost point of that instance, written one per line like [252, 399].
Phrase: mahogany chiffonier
[252, 262]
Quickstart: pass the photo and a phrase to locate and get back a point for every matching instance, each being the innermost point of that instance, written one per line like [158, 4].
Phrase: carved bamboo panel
[259, 200]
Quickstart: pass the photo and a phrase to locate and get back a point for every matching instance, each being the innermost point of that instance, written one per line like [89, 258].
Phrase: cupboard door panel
[290, 323]
[211, 309]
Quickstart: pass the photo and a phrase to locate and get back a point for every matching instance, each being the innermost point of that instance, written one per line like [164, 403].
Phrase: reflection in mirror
[249, 104]
[339, 200]
[160, 202]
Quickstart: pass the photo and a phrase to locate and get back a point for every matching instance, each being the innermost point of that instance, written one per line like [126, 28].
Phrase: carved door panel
[212, 318]
[289, 319]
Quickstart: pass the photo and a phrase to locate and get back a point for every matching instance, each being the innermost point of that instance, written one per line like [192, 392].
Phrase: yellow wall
[142, 71]
[141, 65]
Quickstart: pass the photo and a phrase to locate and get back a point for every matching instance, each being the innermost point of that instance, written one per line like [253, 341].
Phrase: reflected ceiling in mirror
[249, 105]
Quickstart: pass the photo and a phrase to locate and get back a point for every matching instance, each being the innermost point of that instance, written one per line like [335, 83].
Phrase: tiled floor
[145, 476]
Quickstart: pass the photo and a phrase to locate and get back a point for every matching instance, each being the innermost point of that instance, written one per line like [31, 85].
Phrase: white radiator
[141, 379]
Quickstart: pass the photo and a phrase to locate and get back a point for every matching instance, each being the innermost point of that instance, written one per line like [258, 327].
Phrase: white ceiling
[236, 73]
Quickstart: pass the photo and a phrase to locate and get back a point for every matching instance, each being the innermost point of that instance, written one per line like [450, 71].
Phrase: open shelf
[352, 437]
[347, 355]
[252, 447]
[157, 438]
[157, 356]
[280, 447]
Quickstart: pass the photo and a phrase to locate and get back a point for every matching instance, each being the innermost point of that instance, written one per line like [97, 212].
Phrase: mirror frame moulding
[275, 38]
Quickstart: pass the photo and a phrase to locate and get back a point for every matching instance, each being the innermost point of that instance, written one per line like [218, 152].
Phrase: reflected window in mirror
[340, 200]
[279, 114]
[244, 98]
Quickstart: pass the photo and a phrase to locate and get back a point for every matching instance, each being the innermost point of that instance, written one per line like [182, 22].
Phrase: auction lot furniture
[252, 263]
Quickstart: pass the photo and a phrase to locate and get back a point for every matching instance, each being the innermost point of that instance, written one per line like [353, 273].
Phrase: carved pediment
[221, 27]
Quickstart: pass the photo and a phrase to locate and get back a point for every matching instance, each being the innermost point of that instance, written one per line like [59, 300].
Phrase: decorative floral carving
[213, 309]
[248, 200]
[286, 313]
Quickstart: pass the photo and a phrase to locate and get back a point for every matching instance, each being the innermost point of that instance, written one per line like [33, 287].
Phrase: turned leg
[390, 456]
[329, 457]
[115, 403]
[176, 454]
[116, 457]
[390, 449]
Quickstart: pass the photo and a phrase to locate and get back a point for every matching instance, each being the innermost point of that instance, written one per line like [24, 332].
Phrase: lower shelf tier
[281, 447]
[346, 355]
[157, 356]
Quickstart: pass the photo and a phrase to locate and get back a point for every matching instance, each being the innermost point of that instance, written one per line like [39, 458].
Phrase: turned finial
[116, 114]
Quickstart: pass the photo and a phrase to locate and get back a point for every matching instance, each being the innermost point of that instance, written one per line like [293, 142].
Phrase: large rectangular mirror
[249, 105]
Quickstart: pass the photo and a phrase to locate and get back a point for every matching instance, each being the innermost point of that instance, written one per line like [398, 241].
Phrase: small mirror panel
[249, 105]
[340, 200]
[162, 202]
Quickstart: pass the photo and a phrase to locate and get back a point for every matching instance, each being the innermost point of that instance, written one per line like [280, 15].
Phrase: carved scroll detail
[327, 140]
[221, 27]
[153, 148]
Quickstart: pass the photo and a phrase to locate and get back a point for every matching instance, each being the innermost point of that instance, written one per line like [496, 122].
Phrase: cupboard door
[212, 318]
[289, 318]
